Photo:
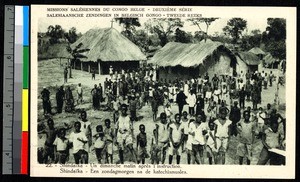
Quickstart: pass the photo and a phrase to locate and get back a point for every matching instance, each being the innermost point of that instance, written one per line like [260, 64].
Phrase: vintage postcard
[163, 91]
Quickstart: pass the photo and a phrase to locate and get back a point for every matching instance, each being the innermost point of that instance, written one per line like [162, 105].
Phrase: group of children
[196, 136]
[208, 130]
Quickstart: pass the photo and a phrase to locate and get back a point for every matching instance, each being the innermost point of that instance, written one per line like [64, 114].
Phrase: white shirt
[150, 93]
[222, 129]
[168, 111]
[99, 143]
[78, 145]
[186, 89]
[260, 116]
[124, 124]
[185, 126]
[61, 145]
[79, 90]
[191, 100]
[210, 141]
[111, 70]
[176, 132]
[163, 132]
[84, 126]
[198, 138]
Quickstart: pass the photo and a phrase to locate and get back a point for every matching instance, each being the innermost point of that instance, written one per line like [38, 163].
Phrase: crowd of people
[216, 112]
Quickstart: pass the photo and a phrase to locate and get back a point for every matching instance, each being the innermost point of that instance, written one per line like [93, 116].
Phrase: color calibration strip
[20, 91]
[25, 92]
[18, 79]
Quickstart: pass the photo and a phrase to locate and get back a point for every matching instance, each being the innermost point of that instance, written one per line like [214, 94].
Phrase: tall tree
[129, 25]
[71, 36]
[164, 27]
[275, 37]
[141, 39]
[206, 21]
[182, 36]
[234, 28]
[77, 54]
[55, 33]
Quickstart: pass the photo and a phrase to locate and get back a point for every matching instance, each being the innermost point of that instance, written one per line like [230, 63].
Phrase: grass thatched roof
[269, 59]
[257, 51]
[249, 58]
[187, 55]
[107, 44]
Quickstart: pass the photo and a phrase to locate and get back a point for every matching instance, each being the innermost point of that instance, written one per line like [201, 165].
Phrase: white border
[201, 171]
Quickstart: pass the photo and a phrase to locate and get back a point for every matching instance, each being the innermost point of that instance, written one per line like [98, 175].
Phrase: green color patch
[25, 66]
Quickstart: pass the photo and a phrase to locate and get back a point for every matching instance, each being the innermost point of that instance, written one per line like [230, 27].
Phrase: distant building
[107, 47]
[185, 61]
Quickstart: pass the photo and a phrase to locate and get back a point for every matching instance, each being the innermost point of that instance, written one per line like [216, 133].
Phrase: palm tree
[76, 54]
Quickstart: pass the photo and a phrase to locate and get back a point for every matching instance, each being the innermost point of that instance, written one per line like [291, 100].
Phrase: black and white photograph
[161, 89]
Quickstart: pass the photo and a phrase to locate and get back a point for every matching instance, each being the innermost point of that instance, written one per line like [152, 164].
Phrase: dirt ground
[50, 75]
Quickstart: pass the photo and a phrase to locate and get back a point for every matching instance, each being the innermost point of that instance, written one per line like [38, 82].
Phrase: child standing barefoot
[79, 140]
[141, 144]
[246, 131]
[222, 133]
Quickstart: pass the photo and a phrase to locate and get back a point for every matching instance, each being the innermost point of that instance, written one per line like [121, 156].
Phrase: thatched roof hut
[192, 60]
[187, 55]
[249, 58]
[257, 51]
[108, 47]
[247, 61]
[269, 59]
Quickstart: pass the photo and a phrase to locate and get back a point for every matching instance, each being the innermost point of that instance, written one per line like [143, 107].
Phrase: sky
[86, 24]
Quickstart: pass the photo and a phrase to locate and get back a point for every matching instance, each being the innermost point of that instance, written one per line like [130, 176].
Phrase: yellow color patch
[25, 110]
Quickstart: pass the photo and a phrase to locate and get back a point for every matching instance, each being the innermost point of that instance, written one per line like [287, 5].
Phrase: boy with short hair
[198, 130]
[185, 126]
[270, 139]
[86, 128]
[124, 134]
[79, 140]
[222, 133]
[61, 147]
[50, 132]
[176, 138]
[99, 144]
[109, 136]
[211, 143]
[79, 93]
[161, 134]
[246, 130]
[141, 144]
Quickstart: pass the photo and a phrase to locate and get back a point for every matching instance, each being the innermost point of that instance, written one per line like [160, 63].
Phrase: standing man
[180, 99]
[235, 116]
[69, 100]
[191, 100]
[46, 101]
[66, 75]
[95, 98]
[242, 95]
[111, 71]
[60, 94]
[79, 93]
[100, 93]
